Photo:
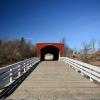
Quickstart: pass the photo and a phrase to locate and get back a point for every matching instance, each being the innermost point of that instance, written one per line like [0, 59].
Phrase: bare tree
[15, 50]
[93, 42]
[99, 45]
[85, 51]
[67, 50]
[0, 42]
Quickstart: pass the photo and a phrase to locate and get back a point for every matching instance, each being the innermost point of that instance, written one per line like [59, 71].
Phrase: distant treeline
[12, 51]
[15, 50]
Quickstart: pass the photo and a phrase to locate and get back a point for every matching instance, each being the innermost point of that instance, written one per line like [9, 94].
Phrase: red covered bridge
[55, 49]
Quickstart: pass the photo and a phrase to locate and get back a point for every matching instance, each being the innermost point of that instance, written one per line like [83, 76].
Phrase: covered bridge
[45, 51]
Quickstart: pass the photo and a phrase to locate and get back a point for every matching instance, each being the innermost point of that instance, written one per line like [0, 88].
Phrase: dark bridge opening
[49, 53]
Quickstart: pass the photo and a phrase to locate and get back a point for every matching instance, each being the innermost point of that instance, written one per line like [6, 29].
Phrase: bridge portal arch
[49, 51]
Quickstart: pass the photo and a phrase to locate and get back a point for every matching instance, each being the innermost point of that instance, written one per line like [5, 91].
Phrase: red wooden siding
[39, 46]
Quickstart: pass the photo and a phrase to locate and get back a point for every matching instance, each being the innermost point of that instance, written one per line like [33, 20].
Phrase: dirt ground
[96, 63]
[93, 62]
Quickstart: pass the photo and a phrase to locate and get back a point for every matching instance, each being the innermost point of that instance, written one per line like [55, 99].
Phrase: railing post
[27, 65]
[72, 67]
[19, 73]
[33, 62]
[11, 75]
[91, 79]
[82, 74]
[30, 64]
[24, 67]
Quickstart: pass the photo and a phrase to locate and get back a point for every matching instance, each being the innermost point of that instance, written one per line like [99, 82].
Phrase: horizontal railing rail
[10, 73]
[93, 72]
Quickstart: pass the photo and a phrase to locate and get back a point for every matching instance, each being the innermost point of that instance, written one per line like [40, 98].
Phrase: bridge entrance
[49, 53]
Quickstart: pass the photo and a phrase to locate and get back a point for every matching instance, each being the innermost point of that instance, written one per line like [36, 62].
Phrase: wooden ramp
[53, 80]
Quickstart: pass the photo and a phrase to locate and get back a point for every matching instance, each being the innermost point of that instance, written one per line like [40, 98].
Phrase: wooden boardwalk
[53, 80]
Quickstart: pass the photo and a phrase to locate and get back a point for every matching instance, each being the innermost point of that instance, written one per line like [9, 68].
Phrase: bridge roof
[49, 43]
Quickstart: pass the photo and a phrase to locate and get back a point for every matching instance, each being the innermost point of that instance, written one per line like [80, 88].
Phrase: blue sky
[50, 20]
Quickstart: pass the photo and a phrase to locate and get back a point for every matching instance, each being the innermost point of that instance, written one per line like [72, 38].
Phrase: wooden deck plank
[53, 80]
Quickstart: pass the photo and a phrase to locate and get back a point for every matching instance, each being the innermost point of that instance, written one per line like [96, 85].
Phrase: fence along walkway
[91, 71]
[12, 72]
[52, 80]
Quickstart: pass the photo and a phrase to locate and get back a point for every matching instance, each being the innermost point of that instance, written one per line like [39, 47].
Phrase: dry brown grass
[96, 63]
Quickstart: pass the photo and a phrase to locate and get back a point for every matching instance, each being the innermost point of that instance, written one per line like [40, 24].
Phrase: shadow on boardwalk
[11, 88]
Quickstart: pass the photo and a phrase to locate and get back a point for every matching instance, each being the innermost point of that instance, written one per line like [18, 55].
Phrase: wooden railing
[9, 74]
[93, 72]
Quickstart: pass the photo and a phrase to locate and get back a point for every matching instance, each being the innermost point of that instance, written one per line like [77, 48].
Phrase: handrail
[9, 73]
[93, 72]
